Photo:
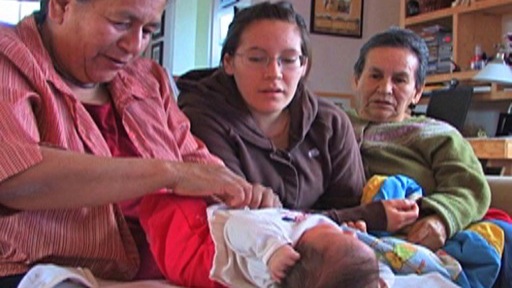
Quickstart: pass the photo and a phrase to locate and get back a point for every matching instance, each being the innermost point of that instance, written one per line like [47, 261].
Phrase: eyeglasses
[258, 60]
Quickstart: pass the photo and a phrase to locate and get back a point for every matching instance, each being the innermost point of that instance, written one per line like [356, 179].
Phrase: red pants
[179, 238]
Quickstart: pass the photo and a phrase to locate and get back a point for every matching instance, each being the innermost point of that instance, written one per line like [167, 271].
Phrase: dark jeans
[11, 281]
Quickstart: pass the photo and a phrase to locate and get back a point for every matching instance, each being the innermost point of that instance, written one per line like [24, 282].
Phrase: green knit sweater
[435, 155]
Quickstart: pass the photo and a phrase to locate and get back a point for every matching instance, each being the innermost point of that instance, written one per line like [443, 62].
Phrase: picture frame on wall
[157, 52]
[160, 31]
[337, 17]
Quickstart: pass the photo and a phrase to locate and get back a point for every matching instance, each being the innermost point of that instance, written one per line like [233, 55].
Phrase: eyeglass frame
[302, 61]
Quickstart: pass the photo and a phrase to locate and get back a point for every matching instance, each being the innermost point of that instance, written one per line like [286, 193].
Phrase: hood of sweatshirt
[214, 93]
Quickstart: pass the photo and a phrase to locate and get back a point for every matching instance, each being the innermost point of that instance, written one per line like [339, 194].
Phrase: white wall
[184, 36]
[333, 57]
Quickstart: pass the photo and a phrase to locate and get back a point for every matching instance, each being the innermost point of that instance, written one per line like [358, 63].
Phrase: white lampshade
[496, 71]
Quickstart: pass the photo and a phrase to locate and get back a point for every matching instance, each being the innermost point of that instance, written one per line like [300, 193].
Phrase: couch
[501, 188]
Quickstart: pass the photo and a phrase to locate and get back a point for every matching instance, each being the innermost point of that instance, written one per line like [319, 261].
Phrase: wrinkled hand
[281, 261]
[218, 182]
[429, 232]
[400, 213]
[194, 179]
[263, 197]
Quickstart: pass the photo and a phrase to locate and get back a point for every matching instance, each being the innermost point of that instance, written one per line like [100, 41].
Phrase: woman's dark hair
[281, 11]
[397, 38]
[41, 14]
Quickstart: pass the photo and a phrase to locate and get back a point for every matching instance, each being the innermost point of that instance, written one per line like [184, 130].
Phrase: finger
[418, 233]
[350, 233]
[277, 201]
[294, 257]
[235, 197]
[216, 199]
[256, 196]
[268, 198]
[248, 196]
[278, 276]
[405, 204]
[417, 237]
[239, 189]
[361, 225]
[430, 243]
[409, 216]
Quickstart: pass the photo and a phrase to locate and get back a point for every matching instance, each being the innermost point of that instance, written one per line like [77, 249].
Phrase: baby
[291, 248]
[253, 248]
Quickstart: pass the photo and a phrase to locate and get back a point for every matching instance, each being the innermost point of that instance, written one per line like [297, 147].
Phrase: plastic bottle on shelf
[477, 62]
[508, 48]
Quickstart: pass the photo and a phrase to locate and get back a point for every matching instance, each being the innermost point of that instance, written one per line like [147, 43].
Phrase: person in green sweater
[389, 77]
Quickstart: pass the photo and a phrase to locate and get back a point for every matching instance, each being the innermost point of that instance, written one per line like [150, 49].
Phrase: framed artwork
[157, 52]
[337, 17]
[226, 3]
[160, 32]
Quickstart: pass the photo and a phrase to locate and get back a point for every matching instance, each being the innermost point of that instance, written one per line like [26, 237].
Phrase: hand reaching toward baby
[281, 261]
[400, 213]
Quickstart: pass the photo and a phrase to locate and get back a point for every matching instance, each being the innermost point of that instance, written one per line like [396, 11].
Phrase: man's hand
[429, 232]
[281, 261]
[400, 213]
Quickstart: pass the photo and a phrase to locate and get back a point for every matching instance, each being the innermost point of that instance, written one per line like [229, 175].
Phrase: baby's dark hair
[353, 265]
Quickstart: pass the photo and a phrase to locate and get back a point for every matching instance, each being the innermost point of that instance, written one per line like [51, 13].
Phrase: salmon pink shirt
[38, 109]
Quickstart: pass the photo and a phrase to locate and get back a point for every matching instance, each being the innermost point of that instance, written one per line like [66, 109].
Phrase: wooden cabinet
[479, 23]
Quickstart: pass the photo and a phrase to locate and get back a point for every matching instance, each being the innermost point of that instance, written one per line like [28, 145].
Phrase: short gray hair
[398, 38]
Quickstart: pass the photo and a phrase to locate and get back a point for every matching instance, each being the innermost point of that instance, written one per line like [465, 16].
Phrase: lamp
[496, 71]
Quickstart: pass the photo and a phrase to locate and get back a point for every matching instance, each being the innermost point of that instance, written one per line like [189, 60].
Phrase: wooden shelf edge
[430, 16]
[479, 6]
[445, 77]
[492, 148]
[486, 5]
[493, 96]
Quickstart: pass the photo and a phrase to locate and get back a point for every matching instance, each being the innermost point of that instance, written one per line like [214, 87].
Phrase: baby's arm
[400, 213]
[281, 261]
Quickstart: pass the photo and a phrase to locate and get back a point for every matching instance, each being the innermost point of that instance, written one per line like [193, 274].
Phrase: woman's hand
[281, 261]
[193, 179]
[429, 232]
[400, 213]
[263, 197]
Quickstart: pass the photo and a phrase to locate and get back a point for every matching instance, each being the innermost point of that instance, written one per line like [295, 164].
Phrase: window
[12, 11]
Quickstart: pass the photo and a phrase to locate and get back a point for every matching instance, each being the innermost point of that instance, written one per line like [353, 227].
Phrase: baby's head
[330, 257]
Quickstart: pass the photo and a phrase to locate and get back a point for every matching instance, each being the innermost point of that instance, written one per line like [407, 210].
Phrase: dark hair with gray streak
[281, 11]
[397, 38]
[43, 11]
